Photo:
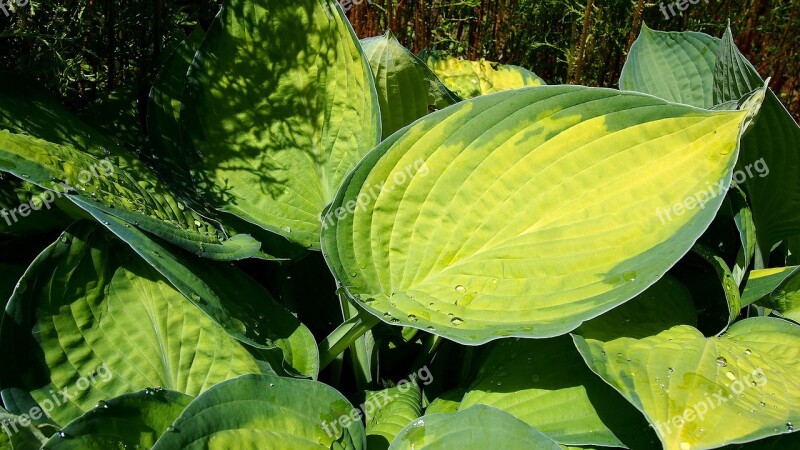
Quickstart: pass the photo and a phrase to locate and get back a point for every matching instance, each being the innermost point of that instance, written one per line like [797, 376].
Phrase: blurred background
[83, 50]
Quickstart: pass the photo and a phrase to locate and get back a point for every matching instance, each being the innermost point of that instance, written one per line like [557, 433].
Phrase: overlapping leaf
[261, 411]
[91, 321]
[702, 393]
[777, 288]
[133, 420]
[675, 66]
[388, 412]
[480, 426]
[407, 88]
[470, 79]
[279, 107]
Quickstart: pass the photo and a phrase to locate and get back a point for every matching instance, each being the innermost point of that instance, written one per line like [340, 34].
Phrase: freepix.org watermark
[701, 198]
[57, 398]
[376, 402]
[6, 4]
[364, 199]
[681, 5]
[102, 169]
[699, 410]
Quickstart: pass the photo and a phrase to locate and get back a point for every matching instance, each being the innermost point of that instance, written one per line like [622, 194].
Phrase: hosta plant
[314, 241]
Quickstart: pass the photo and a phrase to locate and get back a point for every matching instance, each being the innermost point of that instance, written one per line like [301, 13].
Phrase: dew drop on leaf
[722, 362]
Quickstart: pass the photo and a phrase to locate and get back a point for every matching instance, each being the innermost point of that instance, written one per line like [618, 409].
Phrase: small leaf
[407, 88]
[675, 66]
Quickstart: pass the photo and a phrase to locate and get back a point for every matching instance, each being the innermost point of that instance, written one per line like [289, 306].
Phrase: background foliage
[85, 49]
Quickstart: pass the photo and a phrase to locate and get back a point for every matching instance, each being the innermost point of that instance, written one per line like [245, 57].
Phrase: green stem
[341, 338]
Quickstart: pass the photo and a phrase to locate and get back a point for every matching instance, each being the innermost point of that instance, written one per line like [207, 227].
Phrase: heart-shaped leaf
[483, 220]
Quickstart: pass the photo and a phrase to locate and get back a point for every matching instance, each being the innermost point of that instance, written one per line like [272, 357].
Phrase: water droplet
[102, 405]
[395, 320]
[629, 276]
[730, 375]
[461, 289]
[412, 318]
[670, 369]
[455, 321]
[431, 329]
[287, 229]
[763, 404]
[62, 435]
[722, 362]
[789, 426]
[747, 351]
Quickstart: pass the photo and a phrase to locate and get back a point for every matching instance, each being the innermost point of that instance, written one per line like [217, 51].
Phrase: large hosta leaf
[133, 420]
[91, 319]
[676, 66]
[480, 426]
[266, 412]
[484, 220]
[703, 393]
[279, 107]
[407, 88]
[473, 78]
